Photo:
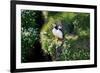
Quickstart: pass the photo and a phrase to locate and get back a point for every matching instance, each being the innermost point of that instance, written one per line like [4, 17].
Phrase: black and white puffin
[57, 32]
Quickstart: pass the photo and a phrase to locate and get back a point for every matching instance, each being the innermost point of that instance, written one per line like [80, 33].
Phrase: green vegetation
[38, 25]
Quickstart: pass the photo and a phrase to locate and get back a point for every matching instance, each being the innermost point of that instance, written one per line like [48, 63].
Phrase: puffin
[57, 32]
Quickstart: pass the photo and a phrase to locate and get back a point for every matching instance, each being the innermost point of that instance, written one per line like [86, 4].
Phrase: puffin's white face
[59, 27]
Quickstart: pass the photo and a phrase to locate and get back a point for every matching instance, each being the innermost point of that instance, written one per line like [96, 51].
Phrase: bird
[57, 32]
[59, 39]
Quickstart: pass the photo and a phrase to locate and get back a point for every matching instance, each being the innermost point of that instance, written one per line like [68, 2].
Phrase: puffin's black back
[56, 27]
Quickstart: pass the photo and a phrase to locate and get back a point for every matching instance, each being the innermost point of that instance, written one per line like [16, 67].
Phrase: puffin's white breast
[57, 33]
[54, 31]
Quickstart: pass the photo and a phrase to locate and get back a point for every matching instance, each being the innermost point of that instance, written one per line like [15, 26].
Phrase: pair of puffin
[57, 32]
